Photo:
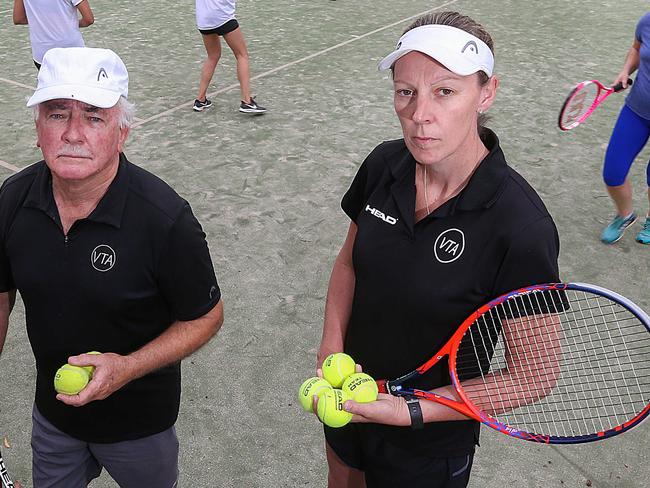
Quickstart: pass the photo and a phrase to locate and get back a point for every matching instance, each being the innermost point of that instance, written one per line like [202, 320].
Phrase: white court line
[293, 63]
[15, 83]
[10, 167]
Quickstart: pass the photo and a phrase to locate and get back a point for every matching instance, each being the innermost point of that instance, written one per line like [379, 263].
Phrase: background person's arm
[631, 64]
[87, 17]
[20, 16]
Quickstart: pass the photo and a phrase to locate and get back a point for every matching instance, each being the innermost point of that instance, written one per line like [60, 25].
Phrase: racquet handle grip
[381, 386]
[619, 86]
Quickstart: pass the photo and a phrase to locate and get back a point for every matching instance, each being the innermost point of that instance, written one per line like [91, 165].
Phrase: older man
[106, 257]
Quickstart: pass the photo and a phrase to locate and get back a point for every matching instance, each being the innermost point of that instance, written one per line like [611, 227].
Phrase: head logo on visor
[457, 50]
[471, 44]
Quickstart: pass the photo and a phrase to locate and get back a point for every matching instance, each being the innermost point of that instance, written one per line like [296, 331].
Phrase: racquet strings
[575, 363]
[579, 104]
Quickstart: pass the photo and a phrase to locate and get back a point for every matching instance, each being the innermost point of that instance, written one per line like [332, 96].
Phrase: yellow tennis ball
[310, 388]
[337, 367]
[330, 408]
[90, 369]
[360, 387]
[70, 379]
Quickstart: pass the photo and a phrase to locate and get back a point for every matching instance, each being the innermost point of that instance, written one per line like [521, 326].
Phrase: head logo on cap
[101, 74]
[472, 45]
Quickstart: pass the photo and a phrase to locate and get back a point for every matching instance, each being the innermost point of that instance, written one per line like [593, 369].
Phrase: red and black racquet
[555, 363]
[583, 100]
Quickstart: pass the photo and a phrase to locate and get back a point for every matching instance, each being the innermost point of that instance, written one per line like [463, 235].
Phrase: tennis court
[267, 191]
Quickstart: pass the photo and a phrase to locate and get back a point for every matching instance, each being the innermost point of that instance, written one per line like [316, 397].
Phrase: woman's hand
[387, 410]
[622, 78]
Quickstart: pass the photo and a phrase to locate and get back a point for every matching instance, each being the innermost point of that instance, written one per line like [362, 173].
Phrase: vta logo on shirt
[103, 258]
[381, 215]
[449, 245]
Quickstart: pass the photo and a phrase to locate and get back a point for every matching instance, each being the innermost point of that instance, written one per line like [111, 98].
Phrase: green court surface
[267, 191]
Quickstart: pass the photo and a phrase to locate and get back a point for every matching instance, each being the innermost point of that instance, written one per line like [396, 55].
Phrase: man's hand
[111, 373]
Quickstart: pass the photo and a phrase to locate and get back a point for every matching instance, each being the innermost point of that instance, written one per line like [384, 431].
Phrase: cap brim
[449, 60]
[91, 95]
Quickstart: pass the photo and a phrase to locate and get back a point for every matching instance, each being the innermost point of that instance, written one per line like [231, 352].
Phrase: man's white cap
[455, 49]
[94, 76]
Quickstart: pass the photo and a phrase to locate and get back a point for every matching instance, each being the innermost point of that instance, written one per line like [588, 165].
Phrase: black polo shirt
[138, 263]
[416, 282]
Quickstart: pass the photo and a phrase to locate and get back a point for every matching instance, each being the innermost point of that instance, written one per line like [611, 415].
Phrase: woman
[53, 23]
[630, 134]
[215, 19]
[440, 225]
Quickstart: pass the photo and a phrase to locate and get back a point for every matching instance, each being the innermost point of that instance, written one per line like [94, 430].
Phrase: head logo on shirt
[449, 245]
[103, 258]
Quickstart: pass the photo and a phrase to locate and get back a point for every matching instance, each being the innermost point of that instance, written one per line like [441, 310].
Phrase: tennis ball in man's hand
[310, 388]
[70, 379]
[90, 369]
[337, 367]
[330, 408]
[360, 387]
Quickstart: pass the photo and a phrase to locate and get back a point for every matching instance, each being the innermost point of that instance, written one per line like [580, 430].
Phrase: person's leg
[58, 460]
[339, 474]
[630, 134]
[150, 461]
[237, 43]
[213, 48]
[643, 237]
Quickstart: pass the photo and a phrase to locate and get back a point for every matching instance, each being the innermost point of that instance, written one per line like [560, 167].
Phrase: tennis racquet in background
[557, 363]
[583, 100]
[4, 475]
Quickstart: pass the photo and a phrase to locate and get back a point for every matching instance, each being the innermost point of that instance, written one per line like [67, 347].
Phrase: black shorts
[222, 30]
[387, 464]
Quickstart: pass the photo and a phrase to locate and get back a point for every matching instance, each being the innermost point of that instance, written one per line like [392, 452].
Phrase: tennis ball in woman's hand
[70, 379]
[330, 408]
[310, 388]
[360, 387]
[337, 367]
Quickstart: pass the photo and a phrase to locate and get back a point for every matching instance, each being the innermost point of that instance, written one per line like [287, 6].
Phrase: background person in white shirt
[53, 23]
[216, 18]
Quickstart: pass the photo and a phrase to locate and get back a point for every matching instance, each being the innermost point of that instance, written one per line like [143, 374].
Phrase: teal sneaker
[644, 236]
[614, 231]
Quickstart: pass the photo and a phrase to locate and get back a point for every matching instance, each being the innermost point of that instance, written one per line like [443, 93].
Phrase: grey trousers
[61, 461]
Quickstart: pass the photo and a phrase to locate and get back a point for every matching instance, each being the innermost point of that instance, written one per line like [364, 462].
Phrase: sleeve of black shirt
[356, 196]
[531, 258]
[6, 277]
[186, 274]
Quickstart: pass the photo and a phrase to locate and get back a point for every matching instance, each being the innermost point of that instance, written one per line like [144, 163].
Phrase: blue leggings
[630, 134]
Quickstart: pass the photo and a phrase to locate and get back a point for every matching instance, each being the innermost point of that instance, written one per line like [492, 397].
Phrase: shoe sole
[621, 236]
[252, 111]
[200, 109]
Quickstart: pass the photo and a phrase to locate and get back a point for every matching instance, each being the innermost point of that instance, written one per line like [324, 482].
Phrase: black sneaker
[200, 106]
[251, 107]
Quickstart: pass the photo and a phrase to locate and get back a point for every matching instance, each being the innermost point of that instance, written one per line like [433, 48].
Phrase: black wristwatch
[415, 411]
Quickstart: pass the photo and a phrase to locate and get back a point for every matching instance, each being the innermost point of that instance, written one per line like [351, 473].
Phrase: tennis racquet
[4, 475]
[555, 363]
[583, 100]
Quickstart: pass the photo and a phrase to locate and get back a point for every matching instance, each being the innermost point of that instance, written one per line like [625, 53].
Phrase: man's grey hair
[127, 112]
